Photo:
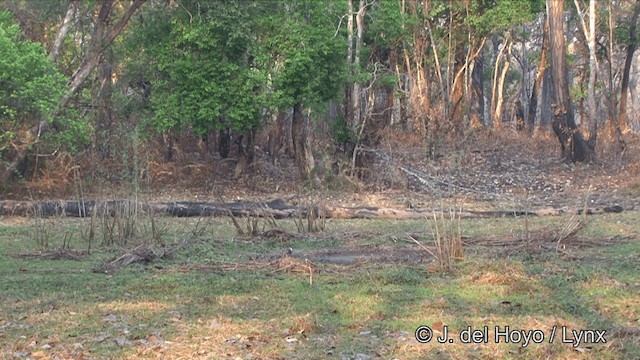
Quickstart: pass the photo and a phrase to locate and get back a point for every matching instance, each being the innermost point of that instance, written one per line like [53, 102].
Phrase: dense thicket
[95, 77]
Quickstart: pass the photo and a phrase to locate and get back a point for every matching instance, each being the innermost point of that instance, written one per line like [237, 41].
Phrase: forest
[120, 88]
[295, 179]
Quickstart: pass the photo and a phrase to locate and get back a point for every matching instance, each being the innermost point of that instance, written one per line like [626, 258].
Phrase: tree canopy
[358, 66]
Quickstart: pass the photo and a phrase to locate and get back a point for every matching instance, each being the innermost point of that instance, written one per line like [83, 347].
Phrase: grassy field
[218, 296]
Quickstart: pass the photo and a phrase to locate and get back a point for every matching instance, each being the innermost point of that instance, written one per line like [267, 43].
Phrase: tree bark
[496, 104]
[100, 40]
[276, 136]
[500, 90]
[348, 90]
[457, 89]
[277, 209]
[356, 95]
[301, 144]
[65, 26]
[574, 147]
[224, 142]
[477, 93]
[593, 124]
[536, 92]
[624, 86]
[612, 118]
[590, 122]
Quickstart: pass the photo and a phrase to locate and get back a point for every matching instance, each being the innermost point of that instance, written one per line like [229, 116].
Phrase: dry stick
[586, 203]
[422, 246]
[438, 241]
[233, 218]
[570, 229]
[574, 225]
[458, 252]
[92, 229]
[310, 272]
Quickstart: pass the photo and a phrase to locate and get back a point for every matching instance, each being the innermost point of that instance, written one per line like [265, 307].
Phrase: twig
[422, 246]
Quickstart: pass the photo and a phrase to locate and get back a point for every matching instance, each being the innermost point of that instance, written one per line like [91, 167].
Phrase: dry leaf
[437, 326]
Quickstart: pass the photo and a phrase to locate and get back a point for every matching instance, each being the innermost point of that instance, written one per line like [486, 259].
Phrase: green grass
[170, 309]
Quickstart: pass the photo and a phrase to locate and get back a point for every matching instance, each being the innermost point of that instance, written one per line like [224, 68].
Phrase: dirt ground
[489, 172]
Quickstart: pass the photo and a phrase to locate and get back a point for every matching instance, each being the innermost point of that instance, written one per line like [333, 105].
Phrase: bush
[30, 84]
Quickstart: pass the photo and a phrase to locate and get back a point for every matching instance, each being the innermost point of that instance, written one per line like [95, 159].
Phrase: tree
[590, 36]
[203, 70]
[305, 60]
[574, 146]
[30, 91]
[101, 38]
[538, 85]
[67, 122]
[624, 87]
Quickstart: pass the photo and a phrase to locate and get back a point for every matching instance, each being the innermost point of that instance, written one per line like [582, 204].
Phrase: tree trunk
[547, 97]
[496, 93]
[624, 86]
[457, 90]
[348, 90]
[224, 143]
[611, 98]
[276, 208]
[500, 85]
[593, 111]
[104, 115]
[477, 93]
[72, 9]
[438, 67]
[100, 40]
[457, 94]
[356, 95]
[276, 136]
[526, 80]
[301, 144]
[536, 92]
[574, 147]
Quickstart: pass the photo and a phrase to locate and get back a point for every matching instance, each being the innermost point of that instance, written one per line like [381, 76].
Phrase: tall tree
[101, 38]
[624, 86]
[206, 73]
[31, 88]
[536, 92]
[590, 35]
[497, 97]
[573, 144]
[306, 64]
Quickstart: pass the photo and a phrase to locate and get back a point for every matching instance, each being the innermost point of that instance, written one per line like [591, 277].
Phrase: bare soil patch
[359, 255]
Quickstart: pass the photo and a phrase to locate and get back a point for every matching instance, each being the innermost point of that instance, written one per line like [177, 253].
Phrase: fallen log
[277, 209]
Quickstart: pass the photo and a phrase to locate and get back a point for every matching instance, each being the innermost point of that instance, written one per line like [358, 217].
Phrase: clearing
[149, 286]
[357, 290]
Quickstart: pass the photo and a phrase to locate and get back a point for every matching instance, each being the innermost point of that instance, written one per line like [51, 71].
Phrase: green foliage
[488, 16]
[578, 93]
[222, 64]
[301, 53]
[341, 132]
[200, 67]
[75, 130]
[388, 26]
[30, 85]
